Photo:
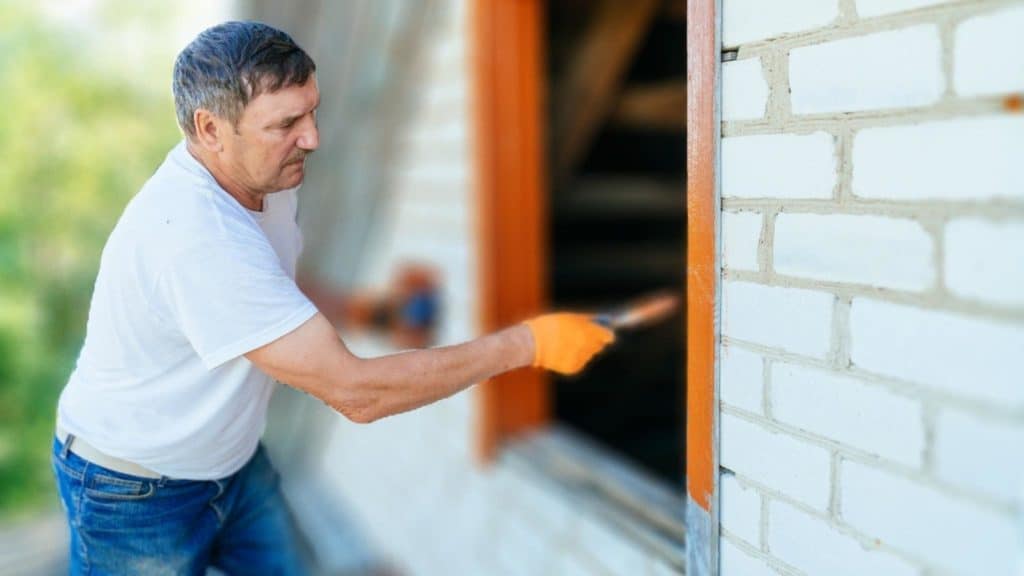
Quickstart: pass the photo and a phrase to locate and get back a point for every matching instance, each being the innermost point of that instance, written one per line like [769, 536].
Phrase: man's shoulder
[177, 211]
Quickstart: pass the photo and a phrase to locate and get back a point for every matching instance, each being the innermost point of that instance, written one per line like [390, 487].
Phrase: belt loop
[67, 446]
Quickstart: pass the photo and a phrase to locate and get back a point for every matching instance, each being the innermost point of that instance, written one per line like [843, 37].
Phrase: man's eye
[287, 123]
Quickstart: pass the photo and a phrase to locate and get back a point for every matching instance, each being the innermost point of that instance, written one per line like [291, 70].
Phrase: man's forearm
[400, 382]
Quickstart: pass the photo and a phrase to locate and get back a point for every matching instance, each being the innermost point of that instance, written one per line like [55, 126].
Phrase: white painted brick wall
[897, 69]
[791, 319]
[864, 416]
[781, 462]
[741, 510]
[874, 250]
[942, 351]
[744, 90]
[810, 544]
[736, 562]
[779, 166]
[748, 20]
[742, 379]
[980, 453]
[963, 159]
[987, 57]
[741, 234]
[984, 260]
[940, 529]
[885, 437]
[870, 8]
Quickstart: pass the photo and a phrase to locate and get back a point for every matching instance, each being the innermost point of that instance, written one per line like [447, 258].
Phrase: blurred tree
[78, 137]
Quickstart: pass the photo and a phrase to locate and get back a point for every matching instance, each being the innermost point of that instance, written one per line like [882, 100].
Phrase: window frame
[507, 66]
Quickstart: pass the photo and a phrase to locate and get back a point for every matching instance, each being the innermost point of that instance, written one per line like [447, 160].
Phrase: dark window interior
[618, 222]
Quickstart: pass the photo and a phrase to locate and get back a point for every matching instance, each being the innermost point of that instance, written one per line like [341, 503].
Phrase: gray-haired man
[195, 310]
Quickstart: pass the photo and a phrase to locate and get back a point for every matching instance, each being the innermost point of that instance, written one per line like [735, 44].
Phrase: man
[195, 313]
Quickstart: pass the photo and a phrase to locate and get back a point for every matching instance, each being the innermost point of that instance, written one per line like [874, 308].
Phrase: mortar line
[942, 110]
[764, 522]
[947, 41]
[766, 255]
[847, 12]
[862, 26]
[841, 331]
[995, 209]
[834, 494]
[844, 153]
[925, 300]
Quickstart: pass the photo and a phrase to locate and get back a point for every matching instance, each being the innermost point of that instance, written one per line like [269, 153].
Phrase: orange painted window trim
[508, 67]
[702, 266]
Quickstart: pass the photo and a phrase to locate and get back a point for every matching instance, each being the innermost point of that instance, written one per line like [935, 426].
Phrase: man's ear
[209, 130]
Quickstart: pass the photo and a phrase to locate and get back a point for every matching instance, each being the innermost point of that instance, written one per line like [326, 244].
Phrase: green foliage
[77, 140]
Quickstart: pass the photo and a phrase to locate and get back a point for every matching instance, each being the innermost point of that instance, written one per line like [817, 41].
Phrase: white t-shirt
[189, 281]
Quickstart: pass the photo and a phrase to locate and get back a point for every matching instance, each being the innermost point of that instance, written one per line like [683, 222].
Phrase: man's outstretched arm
[313, 358]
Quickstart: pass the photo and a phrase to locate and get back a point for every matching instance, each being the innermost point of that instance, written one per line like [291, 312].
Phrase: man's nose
[310, 137]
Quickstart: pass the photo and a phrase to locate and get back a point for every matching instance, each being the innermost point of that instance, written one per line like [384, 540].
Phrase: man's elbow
[357, 409]
[359, 416]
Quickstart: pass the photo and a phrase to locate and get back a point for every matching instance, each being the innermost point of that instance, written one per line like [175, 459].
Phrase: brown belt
[88, 452]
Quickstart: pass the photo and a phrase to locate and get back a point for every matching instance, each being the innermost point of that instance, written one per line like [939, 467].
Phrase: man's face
[266, 152]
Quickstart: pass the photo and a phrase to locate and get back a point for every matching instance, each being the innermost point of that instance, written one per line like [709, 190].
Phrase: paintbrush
[642, 312]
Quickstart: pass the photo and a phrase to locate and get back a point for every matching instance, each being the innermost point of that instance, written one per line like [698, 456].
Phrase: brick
[978, 453]
[742, 379]
[779, 166]
[866, 417]
[897, 69]
[810, 544]
[982, 58]
[869, 8]
[741, 509]
[781, 462]
[787, 318]
[962, 159]
[749, 20]
[944, 531]
[856, 249]
[942, 351]
[736, 562]
[744, 90]
[741, 236]
[984, 260]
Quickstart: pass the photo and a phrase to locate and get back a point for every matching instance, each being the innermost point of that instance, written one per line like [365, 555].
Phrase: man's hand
[564, 342]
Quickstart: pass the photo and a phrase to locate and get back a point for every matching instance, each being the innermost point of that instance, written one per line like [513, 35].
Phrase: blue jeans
[123, 524]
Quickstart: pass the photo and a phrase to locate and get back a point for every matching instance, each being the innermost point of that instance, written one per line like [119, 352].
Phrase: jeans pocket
[105, 487]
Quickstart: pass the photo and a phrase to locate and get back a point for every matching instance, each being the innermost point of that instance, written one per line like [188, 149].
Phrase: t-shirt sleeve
[228, 299]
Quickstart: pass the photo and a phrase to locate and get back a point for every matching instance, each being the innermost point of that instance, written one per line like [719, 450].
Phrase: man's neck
[244, 196]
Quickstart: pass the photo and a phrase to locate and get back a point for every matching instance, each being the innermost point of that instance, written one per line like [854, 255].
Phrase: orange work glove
[565, 342]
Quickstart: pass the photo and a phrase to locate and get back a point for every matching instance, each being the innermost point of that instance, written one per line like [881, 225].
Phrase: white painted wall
[412, 480]
[872, 398]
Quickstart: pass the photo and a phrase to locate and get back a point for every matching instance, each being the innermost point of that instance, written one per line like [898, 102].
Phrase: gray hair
[228, 65]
